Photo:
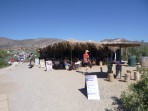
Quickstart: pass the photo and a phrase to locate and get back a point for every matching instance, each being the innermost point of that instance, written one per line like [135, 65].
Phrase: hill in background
[41, 42]
[27, 43]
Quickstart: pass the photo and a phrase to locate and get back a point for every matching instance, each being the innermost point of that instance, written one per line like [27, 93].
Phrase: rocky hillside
[27, 43]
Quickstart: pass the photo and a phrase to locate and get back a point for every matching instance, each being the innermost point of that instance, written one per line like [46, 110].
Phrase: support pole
[71, 56]
[120, 63]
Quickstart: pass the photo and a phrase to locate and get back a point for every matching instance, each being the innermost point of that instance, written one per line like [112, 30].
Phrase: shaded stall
[118, 44]
[71, 49]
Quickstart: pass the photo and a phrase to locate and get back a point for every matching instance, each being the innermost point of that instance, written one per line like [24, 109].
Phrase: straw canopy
[72, 45]
[121, 43]
[71, 48]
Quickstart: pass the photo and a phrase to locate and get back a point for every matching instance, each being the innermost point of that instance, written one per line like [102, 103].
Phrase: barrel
[127, 77]
[144, 61]
[132, 61]
[111, 77]
[136, 76]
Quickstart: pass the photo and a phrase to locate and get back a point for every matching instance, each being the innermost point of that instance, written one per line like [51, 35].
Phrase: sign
[42, 63]
[92, 87]
[49, 65]
[36, 61]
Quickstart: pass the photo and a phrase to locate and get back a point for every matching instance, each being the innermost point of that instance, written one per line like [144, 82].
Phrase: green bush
[3, 63]
[3, 57]
[136, 97]
[139, 51]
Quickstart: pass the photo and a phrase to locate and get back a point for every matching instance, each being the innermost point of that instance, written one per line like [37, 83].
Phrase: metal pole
[120, 64]
[115, 56]
[71, 56]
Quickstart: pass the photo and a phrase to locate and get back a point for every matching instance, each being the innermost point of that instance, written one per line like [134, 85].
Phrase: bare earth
[58, 90]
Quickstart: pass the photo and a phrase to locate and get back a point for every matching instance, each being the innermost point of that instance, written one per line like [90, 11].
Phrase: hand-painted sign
[42, 63]
[92, 87]
[48, 65]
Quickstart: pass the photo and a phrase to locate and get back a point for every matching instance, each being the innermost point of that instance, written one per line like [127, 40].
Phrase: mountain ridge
[41, 42]
[27, 43]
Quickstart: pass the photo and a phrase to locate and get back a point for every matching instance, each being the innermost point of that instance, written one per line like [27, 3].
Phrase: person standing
[31, 60]
[66, 63]
[86, 60]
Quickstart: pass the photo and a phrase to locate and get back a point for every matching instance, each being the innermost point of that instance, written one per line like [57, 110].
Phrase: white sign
[42, 63]
[92, 87]
[49, 65]
[36, 61]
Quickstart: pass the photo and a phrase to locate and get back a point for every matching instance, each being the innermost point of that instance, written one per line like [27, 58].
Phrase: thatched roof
[115, 44]
[72, 44]
[112, 44]
[120, 43]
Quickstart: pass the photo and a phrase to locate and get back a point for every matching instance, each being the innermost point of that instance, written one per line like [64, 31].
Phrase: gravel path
[58, 90]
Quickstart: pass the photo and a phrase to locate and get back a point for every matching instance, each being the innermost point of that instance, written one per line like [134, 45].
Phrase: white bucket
[144, 61]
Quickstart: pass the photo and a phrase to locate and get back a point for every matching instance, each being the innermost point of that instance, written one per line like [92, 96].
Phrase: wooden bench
[3, 102]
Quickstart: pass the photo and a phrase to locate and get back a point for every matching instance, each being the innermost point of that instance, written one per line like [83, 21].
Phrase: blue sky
[78, 19]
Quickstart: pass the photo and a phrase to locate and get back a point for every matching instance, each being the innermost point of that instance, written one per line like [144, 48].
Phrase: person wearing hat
[86, 60]
[86, 57]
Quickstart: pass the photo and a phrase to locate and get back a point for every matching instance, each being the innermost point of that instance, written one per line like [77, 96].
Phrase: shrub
[3, 57]
[136, 97]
